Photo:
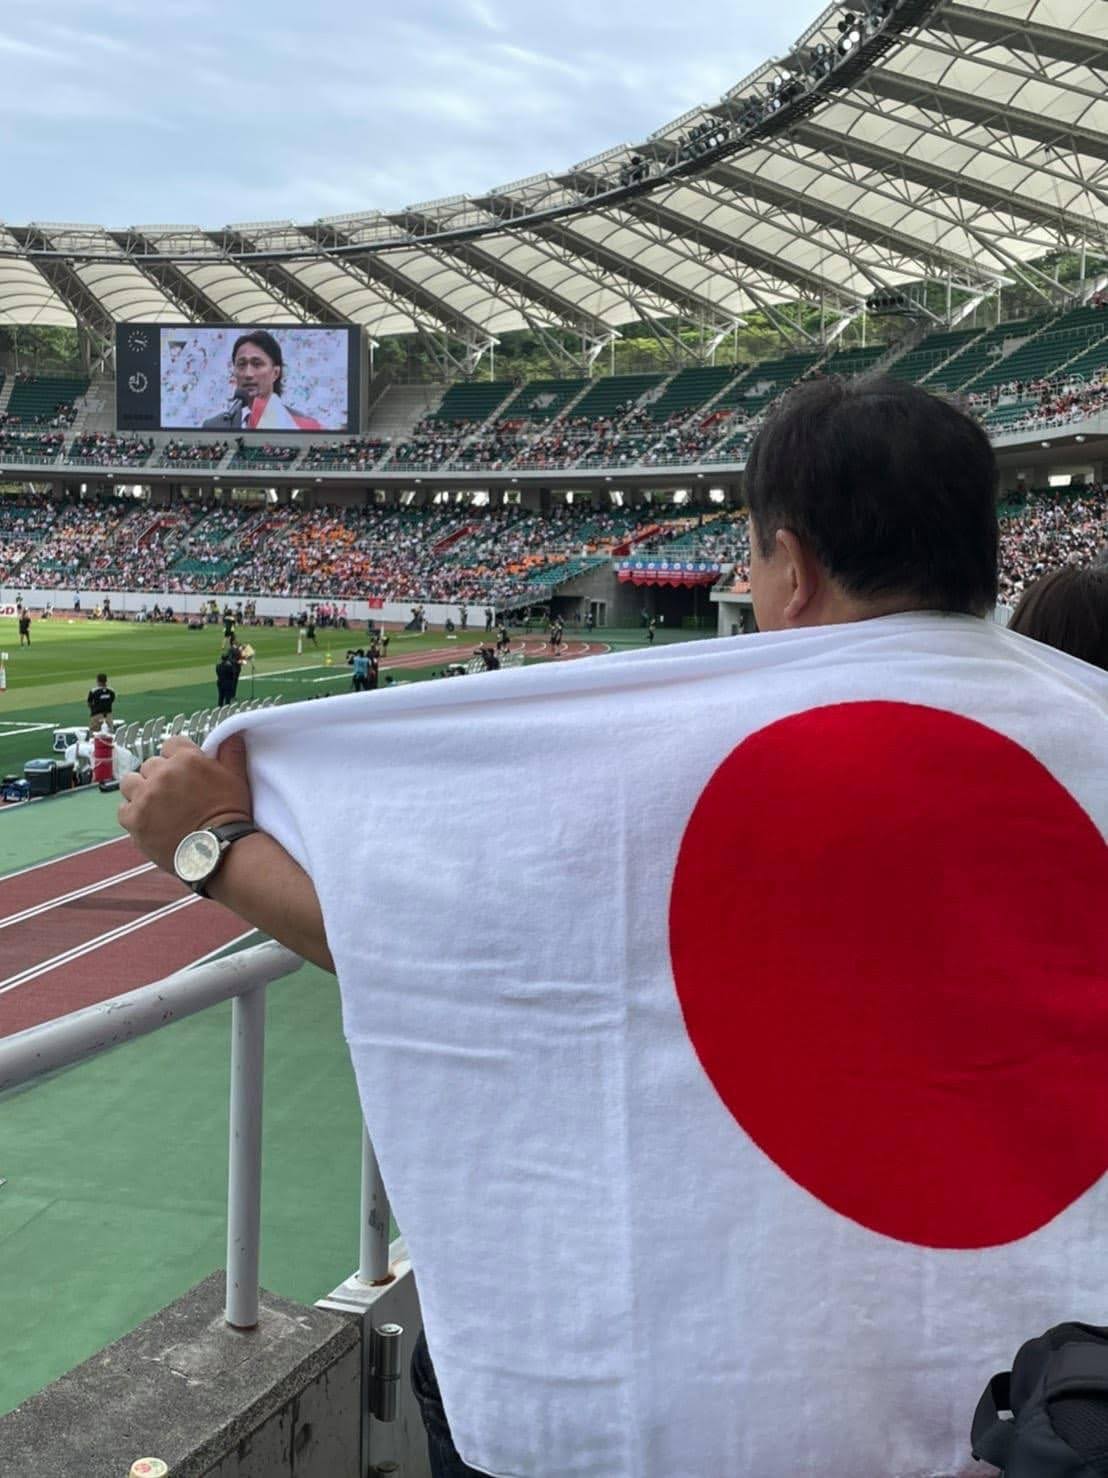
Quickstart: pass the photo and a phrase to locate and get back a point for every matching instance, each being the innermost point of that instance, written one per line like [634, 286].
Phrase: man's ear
[802, 573]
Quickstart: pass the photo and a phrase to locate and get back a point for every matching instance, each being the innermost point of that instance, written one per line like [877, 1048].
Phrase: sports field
[163, 670]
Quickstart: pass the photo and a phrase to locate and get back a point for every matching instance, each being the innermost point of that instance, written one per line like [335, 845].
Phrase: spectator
[839, 541]
[1068, 609]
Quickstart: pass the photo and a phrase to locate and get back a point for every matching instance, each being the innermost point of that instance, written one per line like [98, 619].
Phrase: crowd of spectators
[24, 524]
[356, 455]
[433, 443]
[497, 449]
[1051, 530]
[30, 446]
[436, 553]
[104, 449]
[268, 454]
[208, 452]
[1056, 401]
[687, 441]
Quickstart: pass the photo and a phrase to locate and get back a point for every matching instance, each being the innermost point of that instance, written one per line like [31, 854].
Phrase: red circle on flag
[888, 941]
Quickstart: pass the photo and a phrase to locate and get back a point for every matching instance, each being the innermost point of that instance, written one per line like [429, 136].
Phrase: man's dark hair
[265, 341]
[102, 679]
[894, 490]
[1068, 609]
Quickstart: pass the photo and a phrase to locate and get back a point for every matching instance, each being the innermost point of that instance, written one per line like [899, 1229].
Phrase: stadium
[508, 429]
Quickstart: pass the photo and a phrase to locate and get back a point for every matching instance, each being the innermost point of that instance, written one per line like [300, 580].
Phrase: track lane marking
[21, 872]
[78, 951]
[64, 898]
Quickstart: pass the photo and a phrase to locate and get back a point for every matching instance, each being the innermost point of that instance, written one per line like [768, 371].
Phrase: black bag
[1057, 1392]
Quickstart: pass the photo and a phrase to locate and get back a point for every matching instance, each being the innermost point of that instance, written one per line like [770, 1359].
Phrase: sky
[191, 112]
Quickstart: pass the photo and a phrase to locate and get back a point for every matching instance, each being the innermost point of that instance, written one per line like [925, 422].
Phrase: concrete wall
[279, 1401]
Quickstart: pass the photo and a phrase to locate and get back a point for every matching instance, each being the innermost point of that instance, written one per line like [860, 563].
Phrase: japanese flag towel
[731, 1023]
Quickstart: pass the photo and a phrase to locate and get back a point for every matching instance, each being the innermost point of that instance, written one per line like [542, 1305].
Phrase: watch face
[196, 856]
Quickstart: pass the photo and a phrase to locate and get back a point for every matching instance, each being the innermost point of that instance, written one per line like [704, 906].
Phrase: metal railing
[242, 979]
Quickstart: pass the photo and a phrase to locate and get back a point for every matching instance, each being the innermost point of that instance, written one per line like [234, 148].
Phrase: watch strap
[225, 835]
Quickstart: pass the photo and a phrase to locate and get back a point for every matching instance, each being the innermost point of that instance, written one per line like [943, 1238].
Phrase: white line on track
[53, 861]
[34, 971]
[63, 898]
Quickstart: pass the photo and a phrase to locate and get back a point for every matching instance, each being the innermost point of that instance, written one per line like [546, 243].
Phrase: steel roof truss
[168, 277]
[828, 216]
[621, 271]
[996, 29]
[524, 292]
[718, 243]
[893, 165]
[1009, 121]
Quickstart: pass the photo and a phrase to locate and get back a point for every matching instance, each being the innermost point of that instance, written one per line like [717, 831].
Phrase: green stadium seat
[851, 362]
[932, 352]
[35, 399]
[689, 390]
[984, 352]
[541, 400]
[1055, 343]
[472, 401]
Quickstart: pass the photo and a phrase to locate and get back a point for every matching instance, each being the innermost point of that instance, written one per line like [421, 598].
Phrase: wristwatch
[199, 856]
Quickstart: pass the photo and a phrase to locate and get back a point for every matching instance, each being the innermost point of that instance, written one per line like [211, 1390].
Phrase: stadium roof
[899, 141]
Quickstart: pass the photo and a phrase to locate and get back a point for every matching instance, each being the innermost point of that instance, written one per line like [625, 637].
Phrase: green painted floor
[114, 1194]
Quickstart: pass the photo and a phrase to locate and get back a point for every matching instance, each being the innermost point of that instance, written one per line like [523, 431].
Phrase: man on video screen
[258, 371]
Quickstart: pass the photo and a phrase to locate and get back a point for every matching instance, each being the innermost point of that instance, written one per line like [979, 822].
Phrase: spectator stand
[463, 414]
[264, 457]
[196, 456]
[47, 401]
[355, 454]
[105, 449]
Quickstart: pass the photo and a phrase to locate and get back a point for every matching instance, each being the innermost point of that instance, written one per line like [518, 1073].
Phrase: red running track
[94, 925]
[103, 921]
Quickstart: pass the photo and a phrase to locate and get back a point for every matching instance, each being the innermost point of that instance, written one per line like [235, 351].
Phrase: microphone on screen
[241, 401]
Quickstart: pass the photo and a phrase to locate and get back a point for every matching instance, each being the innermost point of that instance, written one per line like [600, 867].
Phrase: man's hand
[183, 790]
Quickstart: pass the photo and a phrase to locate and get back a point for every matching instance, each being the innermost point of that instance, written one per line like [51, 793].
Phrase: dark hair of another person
[893, 489]
[1068, 609]
[102, 678]
[265, 341]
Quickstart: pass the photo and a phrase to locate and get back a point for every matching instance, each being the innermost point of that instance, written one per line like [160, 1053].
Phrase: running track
[103, 921]
[467, 644]
[93, 925]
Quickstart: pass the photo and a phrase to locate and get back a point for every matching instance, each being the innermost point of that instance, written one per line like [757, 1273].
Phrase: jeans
[443, 1455]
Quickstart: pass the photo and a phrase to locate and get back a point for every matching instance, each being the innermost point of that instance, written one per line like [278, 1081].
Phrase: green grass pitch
[162, 670]
[158, 670]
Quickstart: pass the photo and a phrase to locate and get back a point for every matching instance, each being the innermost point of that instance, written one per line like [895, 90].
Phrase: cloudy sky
[191, 111]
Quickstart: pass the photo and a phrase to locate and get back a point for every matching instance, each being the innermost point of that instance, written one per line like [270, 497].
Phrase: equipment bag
[1057, 1392]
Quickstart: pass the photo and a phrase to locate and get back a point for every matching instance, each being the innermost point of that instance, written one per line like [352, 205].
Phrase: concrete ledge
[284, 1398]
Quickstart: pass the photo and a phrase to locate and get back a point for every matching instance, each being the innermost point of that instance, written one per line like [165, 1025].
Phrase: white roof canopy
[962, 142]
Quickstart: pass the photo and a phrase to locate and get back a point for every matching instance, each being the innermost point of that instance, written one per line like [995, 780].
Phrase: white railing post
[373, 1254]
[244, 1170]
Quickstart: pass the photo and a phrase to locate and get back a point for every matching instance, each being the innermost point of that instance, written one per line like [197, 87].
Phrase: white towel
[730, 1021]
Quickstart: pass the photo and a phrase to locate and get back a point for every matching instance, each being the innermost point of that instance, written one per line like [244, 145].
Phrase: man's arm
[183, 790]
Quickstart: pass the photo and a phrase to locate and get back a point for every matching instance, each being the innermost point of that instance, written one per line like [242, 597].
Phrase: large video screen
[235, 378]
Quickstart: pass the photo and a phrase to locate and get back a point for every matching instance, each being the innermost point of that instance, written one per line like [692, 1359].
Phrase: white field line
[54, 861]
[63, 898]
[291, 671]
[11, 728]
[34, 971]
